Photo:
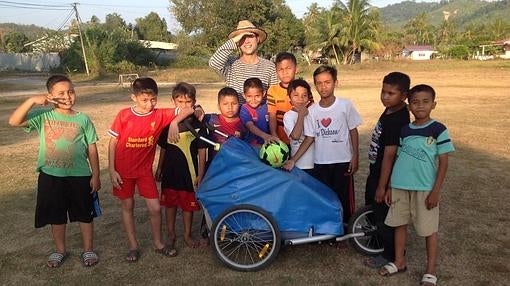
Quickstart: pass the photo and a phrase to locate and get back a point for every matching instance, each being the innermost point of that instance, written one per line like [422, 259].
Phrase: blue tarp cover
[294, 199]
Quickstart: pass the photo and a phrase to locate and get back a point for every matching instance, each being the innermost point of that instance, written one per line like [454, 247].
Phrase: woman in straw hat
[236, 69]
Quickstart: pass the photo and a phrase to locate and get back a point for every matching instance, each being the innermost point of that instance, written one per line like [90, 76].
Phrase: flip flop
[56, 259]
[167, 250]
[391, 269]
[133, 255]
[428, 280]
[375, 262]
[89, 258]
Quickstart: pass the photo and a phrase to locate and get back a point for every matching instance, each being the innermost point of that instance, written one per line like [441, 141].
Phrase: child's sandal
[133, 255]
[89, 258]
[428, 280]
[56, 259]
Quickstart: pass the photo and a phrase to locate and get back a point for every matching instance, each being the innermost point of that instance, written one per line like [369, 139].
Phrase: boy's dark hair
[144, 85]
[293, 85]
[398, 79]
[54, 79]
[227, 91]
[186, 89]
[325, 68]
[280, 57]
[421, 88]
[253, 82]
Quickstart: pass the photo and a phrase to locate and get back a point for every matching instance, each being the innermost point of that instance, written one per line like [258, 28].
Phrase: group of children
[408, 160]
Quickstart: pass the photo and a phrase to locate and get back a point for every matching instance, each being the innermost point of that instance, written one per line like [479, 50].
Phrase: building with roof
[418, 52]
[164, 51]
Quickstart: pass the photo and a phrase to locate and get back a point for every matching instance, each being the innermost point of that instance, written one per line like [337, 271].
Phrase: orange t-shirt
[278, 103]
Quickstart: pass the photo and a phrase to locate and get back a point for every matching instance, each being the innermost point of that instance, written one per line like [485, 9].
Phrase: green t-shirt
[416, 165]
[63, 142]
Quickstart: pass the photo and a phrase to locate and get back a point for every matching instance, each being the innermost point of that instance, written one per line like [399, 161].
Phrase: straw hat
[246, 26]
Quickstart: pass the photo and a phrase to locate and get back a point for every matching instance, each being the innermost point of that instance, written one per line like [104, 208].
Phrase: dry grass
[473, 101]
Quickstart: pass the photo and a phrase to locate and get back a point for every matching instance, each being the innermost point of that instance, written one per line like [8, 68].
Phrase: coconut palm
[360, 29]
[420, 28]
[323, 32]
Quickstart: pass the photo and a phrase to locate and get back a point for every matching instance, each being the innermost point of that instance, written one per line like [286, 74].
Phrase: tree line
[340, 34]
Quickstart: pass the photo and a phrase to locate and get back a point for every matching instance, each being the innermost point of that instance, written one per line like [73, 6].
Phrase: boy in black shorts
[68, 166]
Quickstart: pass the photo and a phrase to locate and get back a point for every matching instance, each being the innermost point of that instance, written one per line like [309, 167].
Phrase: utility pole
[81, 37]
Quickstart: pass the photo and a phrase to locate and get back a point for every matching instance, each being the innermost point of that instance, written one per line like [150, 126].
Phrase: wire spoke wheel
[246, 238]
[362, 222]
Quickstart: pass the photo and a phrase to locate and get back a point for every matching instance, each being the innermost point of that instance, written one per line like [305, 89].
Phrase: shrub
[189, 62]
[459, 52]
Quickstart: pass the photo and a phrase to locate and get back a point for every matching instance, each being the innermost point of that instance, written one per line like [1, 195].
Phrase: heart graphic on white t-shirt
[326, 121]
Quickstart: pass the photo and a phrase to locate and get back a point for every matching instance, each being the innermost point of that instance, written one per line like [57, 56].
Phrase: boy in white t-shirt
[299, 93]
[331, 125]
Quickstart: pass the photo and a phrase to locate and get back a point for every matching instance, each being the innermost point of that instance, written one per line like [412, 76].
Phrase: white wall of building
[421, 55]
[28, 61]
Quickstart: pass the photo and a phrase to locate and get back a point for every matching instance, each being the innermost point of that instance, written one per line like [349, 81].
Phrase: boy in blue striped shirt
[416, 181]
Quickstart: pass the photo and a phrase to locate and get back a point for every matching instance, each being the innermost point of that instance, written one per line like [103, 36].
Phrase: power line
[33, 8]
[124, 6]
[65, 21]
[31, 4]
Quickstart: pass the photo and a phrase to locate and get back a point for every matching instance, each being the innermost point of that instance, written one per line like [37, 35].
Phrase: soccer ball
[274, 154]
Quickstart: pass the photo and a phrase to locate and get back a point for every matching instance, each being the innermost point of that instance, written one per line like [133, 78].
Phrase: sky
[59, 11]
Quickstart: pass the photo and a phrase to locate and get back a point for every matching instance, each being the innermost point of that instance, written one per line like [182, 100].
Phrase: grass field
[473, 102]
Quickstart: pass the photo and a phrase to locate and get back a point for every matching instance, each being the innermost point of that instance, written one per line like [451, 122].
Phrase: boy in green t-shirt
[68, 166]
[417, 180]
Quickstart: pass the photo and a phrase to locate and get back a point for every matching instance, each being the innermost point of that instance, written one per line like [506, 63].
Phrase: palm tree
[360, 29]
[323, 32]
[420, 28]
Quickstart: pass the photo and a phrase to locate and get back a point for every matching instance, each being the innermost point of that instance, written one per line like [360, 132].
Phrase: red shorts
[146, 188]
[183, 199]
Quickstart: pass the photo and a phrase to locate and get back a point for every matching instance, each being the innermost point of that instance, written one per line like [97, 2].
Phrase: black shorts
[332, 175]
[60, 197]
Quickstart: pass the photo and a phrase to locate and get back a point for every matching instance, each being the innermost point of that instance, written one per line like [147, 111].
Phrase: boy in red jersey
[228, 121]
[132, 147]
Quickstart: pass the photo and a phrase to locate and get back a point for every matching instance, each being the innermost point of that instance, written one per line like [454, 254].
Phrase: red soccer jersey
[137, 136]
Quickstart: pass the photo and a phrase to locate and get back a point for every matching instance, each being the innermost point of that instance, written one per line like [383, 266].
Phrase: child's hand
[270, 139]
[95, 183]
[380, 193]
[185, 111]
[173, 133]
[42, 100]
[289, 164]
[432, 200]
[353, 168]
[199, 112]
[115, 179]
[302, 111]
[198, 180]
[387, 198]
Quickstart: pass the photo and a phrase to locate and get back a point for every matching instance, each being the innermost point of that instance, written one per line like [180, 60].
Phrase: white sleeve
[288, 122]
[309, 128]
[353, 118]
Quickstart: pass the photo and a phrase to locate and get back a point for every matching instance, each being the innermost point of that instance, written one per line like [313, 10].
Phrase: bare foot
[191, 243]
[204, 242]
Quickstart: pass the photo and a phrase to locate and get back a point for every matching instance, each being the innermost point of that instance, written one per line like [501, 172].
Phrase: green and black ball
[274, 154]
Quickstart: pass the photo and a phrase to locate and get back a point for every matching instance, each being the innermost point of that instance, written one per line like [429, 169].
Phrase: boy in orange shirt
[277, 98]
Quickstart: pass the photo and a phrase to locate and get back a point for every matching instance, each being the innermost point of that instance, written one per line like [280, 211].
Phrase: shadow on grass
[474, 241]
